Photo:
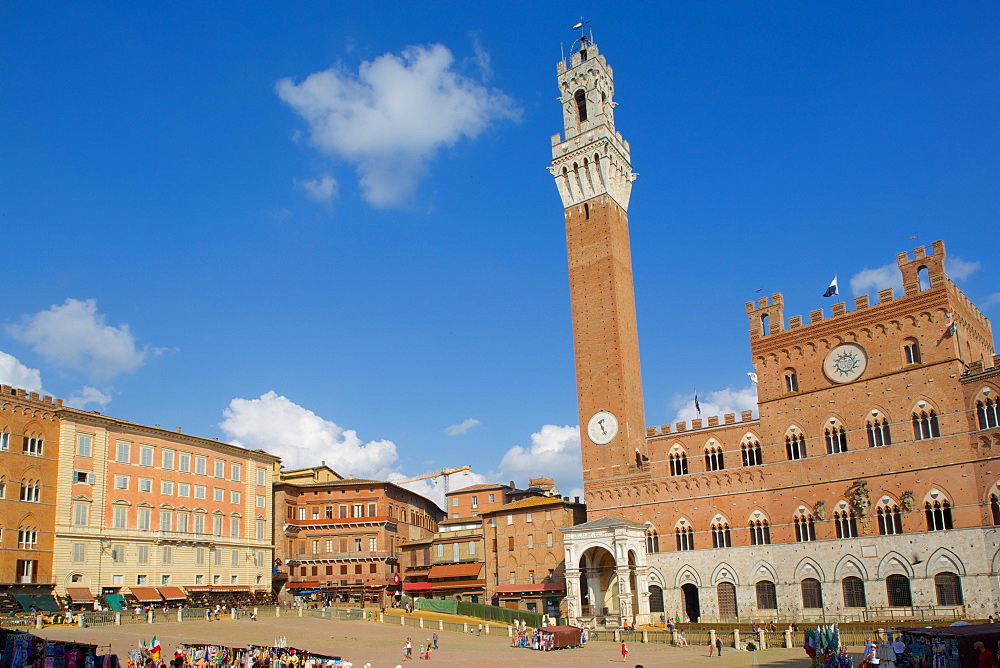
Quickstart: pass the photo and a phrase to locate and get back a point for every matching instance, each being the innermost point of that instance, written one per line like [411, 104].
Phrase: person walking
[435, 639]
[718, 646]
[711, 648]
[986, 657]
[624, 651]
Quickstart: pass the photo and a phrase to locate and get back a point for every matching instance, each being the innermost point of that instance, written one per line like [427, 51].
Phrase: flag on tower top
[832, 290]
[697, 406]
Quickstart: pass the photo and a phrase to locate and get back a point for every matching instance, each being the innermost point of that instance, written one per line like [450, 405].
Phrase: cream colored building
[145, 507]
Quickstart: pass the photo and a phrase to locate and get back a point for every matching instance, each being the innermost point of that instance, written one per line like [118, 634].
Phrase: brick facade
[29, 437]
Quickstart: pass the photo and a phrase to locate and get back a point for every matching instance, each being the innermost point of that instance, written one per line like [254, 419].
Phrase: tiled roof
[479, 487]
[529, 502]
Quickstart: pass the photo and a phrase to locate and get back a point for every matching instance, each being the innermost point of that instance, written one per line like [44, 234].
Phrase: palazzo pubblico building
[868, 486]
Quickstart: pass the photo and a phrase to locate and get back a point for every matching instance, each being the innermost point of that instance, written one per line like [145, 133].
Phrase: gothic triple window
[805, 528]
[720, 535]
[678, 463]
[652, 541]
[846, 521]
[795, 446]
[685, 538]
[752, 456]
[988, 413]
[938, 515]
[890, 520]
[714, 459]
[836, 439]
[925, 425]
[760, 532]
[878, 433]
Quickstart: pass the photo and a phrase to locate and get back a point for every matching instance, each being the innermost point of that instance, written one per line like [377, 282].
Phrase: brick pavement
[382, 644]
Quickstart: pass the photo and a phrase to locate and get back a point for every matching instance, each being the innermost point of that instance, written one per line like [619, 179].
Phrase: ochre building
[868, 486]
[155, 516]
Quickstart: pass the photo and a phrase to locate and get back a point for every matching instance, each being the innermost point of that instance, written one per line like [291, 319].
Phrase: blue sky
[326, 229]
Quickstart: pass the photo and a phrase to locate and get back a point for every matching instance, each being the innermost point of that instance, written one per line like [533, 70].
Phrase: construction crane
[445, 473]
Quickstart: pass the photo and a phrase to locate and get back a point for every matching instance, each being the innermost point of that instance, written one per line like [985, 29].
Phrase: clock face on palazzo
[602, 428]
[845, 363]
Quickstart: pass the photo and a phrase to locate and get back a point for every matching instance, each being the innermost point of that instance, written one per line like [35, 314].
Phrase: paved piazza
[382, 644]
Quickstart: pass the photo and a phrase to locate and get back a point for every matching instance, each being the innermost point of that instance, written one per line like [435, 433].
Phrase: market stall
[16, 647]
[223, 655]
[948, 646]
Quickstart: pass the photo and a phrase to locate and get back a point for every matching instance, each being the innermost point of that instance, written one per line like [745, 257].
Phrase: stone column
[574, 601]
[624, 593]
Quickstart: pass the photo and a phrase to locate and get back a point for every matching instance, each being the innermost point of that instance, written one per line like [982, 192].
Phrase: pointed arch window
[714, 459]
[890, 520]
[836, 439]
[847, 523]
[878, 433]
[812, 593]
[988, 413]
[795, 446]
[791, 381]
[854, 592]
[652, 541]
[30, 490]
[911, 352]
[938, 515]
[925, 425]
[805, 528]
[948, 588]
[721, 536]
[760, 532]
[897, 588]
[678, 463]
[685, 538]
[995, 509]
[767, 595]
[751, 454]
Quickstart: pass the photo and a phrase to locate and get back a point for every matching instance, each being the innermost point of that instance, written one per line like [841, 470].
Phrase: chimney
[576, 499]
[512, 485]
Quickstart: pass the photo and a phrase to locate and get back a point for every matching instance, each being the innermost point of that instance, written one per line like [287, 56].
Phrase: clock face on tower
[845, 363]
[602, 428]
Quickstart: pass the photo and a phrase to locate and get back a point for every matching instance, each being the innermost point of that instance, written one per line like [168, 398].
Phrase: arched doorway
[727, 600]
[690, 601]
[598, 583]
[655, 598]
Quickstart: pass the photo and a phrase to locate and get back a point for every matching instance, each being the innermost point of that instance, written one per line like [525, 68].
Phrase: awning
[172, 593]
[417, 573]
[459, 584]
[230, 589]
[199, 590]
[455, 570]
[302, 585]
[79, 595]
[43, 602]
[538, 588]
[146, 594]
[115, 601]
[417, 586]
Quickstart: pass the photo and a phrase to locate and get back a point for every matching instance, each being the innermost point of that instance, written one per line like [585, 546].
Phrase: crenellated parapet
[24, 396]
[766, 317]
[699, 423]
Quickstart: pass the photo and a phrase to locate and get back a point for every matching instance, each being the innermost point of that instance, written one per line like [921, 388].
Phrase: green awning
[44, 602]
[115, 601]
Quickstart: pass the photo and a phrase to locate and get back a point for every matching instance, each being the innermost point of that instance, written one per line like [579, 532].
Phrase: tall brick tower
[593, 172]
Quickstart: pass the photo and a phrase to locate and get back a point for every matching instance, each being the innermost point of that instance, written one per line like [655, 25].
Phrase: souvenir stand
[822, 644]
[279, 655]
[17, 646]
[948, 646]
[558, 637]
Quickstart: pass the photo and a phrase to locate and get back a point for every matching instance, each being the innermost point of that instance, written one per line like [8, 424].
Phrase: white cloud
[15, 374]
[872, 280]
[462, 427]
[301, 438]
[992, 300]
[958, 269]
[392, 117]
[554, 453]
[323, 190]
[88, 396]
[75, 335]
[717, 402]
